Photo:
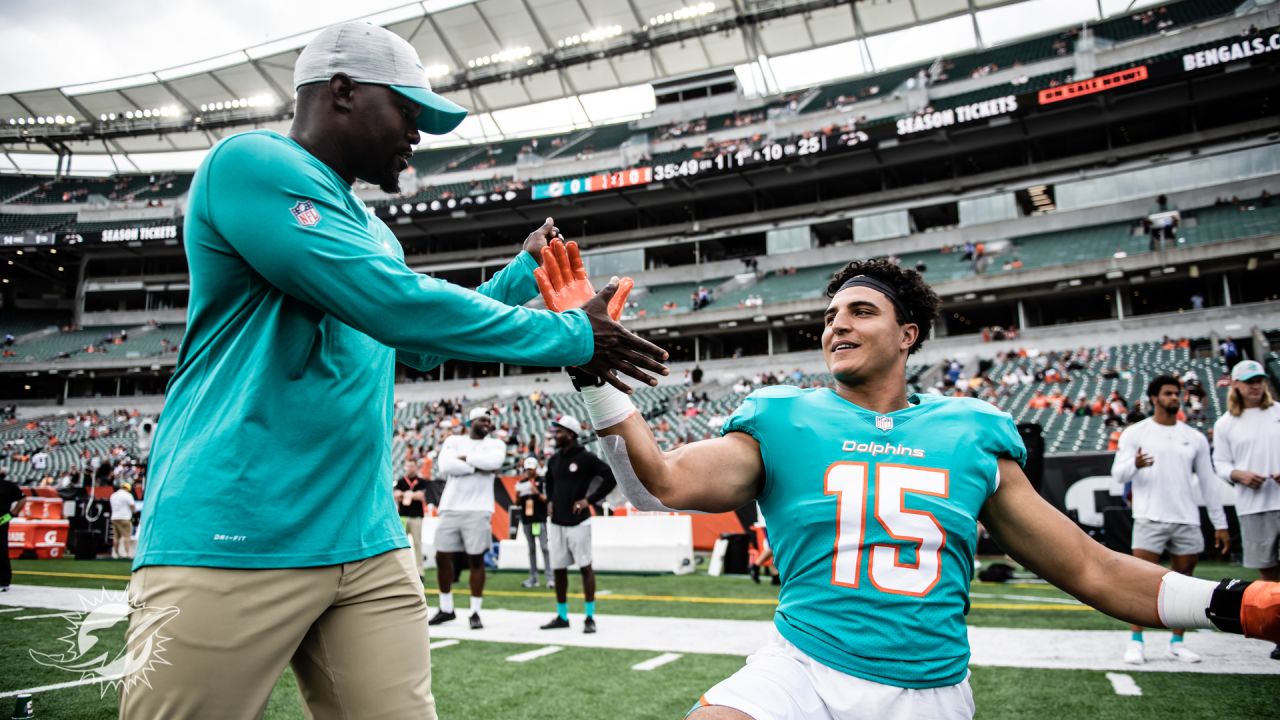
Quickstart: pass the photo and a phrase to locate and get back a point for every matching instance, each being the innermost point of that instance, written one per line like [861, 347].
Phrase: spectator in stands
[571, 473]
[279, 210]
[1038, 401]
[11, 501]
[1246, 454]
[1165, 461]
[123, 506]
[531, 499]
[410, 503]
[469, 462]
[1230, 353]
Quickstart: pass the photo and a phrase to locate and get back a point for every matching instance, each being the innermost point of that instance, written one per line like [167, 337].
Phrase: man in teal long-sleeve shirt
[270, 535]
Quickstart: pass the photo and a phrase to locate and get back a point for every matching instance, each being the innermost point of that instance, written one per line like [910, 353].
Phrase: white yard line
[50, 615]
[656, 662]
[443, 644]
[535, 654]
[58, 686]
[1027, 598]
[1099, 650]
[1124, 684]
[12, 609]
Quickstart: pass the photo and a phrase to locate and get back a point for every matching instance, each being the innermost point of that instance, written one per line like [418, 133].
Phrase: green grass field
[472, 679]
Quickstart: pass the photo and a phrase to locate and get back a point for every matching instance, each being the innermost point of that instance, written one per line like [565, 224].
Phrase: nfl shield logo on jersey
[883, 423]
[306, 213]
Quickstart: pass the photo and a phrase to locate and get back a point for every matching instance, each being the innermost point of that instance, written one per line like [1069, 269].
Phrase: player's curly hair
[917, 297]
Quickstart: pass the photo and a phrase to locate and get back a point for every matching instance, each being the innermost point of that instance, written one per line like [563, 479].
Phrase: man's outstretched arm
[716, 475]
[1045, 541]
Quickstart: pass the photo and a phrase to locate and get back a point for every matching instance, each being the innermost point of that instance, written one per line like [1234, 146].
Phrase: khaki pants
[355, 634]
[122, 536]
[413, 526]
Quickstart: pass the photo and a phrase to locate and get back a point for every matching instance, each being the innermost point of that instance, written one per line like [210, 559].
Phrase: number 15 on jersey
[849, 482]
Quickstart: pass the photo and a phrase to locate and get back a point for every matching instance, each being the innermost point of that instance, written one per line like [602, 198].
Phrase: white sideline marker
[50, 615]
[535, 654]
[59, 686]
[1124, 684]
[14, 609]
[656, 662]
[443, 644]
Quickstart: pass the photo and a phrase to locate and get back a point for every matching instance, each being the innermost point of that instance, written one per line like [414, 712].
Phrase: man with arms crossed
[301, 304]
[1165, 460]
[873, 498]
[469, 462]
[1246, 453]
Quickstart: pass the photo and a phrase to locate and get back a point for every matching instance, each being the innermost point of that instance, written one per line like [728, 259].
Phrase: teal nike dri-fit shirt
[274, 447]
[873, 520]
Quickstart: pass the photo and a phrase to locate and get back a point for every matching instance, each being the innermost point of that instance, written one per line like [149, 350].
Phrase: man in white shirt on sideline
[123, 506]
[1246, 453]
[469, 462]
[1164, 460]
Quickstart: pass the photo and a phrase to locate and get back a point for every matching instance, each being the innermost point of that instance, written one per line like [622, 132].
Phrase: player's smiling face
[861, 338]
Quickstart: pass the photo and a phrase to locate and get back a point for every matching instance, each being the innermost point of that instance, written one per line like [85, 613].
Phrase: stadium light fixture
[500, 57]
[687, 12]
[590, 36]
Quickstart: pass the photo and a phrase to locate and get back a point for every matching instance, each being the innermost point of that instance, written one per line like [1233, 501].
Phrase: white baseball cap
[1247, 370]
[376, 56]
[568, 422]
[531, 463]
[479, 412]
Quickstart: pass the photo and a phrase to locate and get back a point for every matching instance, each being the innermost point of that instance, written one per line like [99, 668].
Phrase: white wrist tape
[607, 406]
[1184, 601]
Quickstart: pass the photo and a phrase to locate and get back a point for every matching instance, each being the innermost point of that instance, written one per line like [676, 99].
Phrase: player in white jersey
[469, 461]
[1246, 453]
[1168, 464]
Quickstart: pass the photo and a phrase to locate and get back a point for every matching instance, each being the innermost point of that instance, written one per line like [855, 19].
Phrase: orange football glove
[563, 282]
[1260, 611]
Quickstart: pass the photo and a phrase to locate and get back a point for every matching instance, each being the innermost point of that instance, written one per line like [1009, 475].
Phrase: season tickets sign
[958, 115]
[1091, 86]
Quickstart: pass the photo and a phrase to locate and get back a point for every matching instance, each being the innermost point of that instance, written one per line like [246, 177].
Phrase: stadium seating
[653, 298]
[1005, 56]
[861, 88]
[21, 322]
[141, 342]
[35, 223]
[11, 185]
[1135, 366]
[1151, 21]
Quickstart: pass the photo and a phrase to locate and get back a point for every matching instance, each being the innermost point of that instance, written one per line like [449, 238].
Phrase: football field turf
[476, 679]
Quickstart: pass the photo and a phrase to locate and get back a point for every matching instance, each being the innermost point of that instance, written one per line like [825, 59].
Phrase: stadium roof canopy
[590, 61]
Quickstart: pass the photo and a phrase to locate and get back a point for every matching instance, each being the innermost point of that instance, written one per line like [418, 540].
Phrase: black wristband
[582, 379]
[1224, 605]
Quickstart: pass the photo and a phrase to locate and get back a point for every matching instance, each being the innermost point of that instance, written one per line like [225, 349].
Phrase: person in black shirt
[410, 500]
[11, 502]
[570, 473]
[532, 501]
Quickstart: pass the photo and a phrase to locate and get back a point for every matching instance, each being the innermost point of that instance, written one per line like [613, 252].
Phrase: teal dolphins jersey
[873, 524]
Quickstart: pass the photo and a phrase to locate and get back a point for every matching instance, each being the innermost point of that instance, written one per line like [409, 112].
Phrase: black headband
[880, 286]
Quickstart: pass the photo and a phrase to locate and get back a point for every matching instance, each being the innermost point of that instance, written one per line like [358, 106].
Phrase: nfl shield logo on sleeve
[306, 213]
[884, 423]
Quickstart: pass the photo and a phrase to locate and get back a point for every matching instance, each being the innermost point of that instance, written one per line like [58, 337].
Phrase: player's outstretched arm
[1045, 541]
[716, 475]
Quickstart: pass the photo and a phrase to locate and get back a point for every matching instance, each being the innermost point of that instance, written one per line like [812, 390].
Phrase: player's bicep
[716, 475]
[1033, 532]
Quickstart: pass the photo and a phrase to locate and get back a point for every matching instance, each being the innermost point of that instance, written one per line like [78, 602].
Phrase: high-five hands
[563, 283]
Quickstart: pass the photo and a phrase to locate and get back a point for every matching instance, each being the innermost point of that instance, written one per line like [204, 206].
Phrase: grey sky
[46, 44]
